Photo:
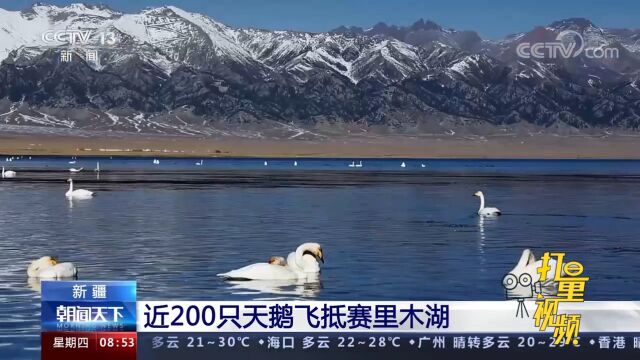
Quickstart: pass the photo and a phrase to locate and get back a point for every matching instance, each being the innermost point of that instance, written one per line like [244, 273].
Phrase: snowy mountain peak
[577, 24]
[53, 11]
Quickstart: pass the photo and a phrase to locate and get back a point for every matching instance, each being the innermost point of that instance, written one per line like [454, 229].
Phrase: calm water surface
[388, 232]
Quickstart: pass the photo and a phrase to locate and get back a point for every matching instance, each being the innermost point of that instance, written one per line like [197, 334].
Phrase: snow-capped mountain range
[166, 70]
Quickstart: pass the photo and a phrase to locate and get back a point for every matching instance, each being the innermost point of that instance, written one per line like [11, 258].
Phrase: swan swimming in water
[8, 174]
[74, 170]
[47, 267]
[486, 211]
[403, 165]
[299, 263]
[79, 193]
[528, 265]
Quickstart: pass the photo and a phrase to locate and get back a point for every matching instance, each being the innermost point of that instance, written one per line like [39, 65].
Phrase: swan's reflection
[76, 203]
[483, 222]
[308, 287]
[34, 284]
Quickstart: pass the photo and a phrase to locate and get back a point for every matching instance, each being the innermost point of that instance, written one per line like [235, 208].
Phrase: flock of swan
[307, 257]
[300, 264]
[72, 194]
[303, 263]
[353, 164]
[360, 165]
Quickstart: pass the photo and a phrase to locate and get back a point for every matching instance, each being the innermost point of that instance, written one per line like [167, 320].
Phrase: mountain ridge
[421, 78]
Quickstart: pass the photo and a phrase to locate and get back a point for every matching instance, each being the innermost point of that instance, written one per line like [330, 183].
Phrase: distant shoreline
[391, 146]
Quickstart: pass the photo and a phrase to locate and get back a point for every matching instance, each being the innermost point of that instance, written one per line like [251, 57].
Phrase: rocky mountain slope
[168, 71]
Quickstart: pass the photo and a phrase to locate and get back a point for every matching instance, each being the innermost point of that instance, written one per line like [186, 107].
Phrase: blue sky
[491, 18]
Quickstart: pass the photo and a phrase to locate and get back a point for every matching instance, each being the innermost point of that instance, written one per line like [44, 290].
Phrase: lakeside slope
[503, 147]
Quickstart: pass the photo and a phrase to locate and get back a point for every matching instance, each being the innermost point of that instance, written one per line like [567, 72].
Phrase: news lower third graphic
[104, 320]
[89, 320]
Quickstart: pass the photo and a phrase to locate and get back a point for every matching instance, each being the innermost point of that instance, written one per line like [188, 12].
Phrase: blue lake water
[388, 232]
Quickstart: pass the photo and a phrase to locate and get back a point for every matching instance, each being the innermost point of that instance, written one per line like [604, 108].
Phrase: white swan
[403, 164]
[359, 164]
[48, 267]
[74, 170]
[299, 263]
[295, 163]
[305, 258]
[266, 163]
[486, 211]
[518, 286]
[199, 163]
[8, 174]
[353, 164]
[79, 193]
[423, 165]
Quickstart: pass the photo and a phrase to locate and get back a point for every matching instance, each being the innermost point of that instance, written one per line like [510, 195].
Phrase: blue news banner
[371, 330]
[88, 320]
[104, 320]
